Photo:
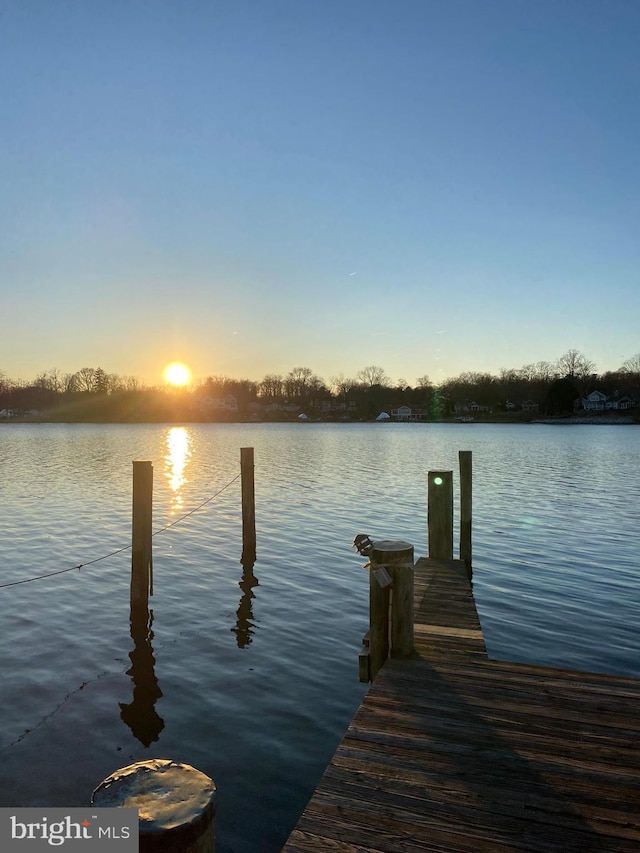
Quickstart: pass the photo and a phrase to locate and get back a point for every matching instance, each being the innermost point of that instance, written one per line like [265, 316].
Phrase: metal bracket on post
[382, 576]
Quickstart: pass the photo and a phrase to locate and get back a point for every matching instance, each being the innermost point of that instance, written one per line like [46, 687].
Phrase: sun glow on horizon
[177, 374]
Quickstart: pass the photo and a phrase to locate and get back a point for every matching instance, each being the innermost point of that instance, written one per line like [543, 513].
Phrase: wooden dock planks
[451, 751]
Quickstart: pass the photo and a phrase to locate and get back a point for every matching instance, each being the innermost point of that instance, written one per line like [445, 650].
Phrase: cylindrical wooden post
[176, 804]
[248, 506]
[141, 533]
[464, 457]
[440, 514]
[378, 624]
[399, 562]
[391, 569]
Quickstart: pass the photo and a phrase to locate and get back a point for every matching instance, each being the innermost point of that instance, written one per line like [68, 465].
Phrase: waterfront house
[226, 404]
[402, 413]
[596, 401]
[621, 403]
[479, 407]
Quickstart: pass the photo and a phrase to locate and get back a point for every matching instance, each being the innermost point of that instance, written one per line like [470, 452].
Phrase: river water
[250, 674]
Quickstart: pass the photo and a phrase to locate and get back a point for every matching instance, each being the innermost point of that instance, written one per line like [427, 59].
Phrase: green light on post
[437, 481]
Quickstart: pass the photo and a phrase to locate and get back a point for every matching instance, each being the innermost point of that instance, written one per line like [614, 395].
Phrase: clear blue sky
[431, 186]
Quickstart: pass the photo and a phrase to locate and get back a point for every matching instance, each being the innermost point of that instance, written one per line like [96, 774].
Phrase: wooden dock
[452, 751]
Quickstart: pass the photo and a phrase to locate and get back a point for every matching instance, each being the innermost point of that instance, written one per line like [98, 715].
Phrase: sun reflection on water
[178, 443]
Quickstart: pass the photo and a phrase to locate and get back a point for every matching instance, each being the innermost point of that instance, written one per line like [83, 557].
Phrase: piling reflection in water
[245, 626]
[140, 714]
[178, 444]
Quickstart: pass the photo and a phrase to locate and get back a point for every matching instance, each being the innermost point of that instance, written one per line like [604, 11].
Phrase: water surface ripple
[250, 673]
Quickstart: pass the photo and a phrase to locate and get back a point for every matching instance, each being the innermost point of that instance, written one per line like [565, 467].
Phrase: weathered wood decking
[451, 751]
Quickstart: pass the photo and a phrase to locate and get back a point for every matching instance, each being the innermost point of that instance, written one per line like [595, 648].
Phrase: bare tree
[341, 385]
[271, 386]
[544, 371]
[299, 381]
[215, 385]
[507, 374]
[631, 365]
[131, 383]
[373, 375]
[575, 364]
[84, 379]
[630, 370]
[577, 367]
[423, 382]
[50, 380]
[527, 372]
[116, 383]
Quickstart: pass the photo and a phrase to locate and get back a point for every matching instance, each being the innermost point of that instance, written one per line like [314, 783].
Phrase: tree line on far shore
[92, 394]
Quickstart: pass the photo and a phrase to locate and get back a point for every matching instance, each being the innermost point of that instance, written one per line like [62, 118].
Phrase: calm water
[251, 675]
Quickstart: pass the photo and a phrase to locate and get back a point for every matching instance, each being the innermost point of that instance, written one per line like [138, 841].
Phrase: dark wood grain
[452, 751]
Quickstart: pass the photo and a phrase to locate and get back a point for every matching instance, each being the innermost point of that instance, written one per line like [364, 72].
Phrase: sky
[431, 186]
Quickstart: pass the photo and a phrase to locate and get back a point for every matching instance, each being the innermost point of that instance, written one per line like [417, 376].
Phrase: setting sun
[177, 373]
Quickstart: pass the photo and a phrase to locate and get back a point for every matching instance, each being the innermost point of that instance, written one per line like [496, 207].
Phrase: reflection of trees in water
[245, 627]
[140, 715]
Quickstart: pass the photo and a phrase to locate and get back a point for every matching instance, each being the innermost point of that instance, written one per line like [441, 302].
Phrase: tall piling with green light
[440, 514]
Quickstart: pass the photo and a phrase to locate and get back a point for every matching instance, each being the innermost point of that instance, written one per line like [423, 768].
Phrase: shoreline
[590, 420]
[571, 420]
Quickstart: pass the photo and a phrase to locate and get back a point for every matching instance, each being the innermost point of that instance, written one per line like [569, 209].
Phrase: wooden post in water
[391, 571]
[440, 514]
[464, 457]
[248, 506]
[141, 533]
[176, 804]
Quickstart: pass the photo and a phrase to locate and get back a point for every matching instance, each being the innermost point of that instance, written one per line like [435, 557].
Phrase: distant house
[621, 403]
[478, 407]
[226, 404]
[402, 413]
[596, 401]
[7, 413]
[530, 406]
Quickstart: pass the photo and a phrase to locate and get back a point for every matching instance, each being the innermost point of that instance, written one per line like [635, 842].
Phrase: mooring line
[125, 548]
[48, 716]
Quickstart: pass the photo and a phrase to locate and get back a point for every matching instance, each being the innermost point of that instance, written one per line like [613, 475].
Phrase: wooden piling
[378, 625]
[400, 564]
[248, 505]
[464, 457]
[176, 804]
[141, 533]
[440, 514]
[391, 572]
